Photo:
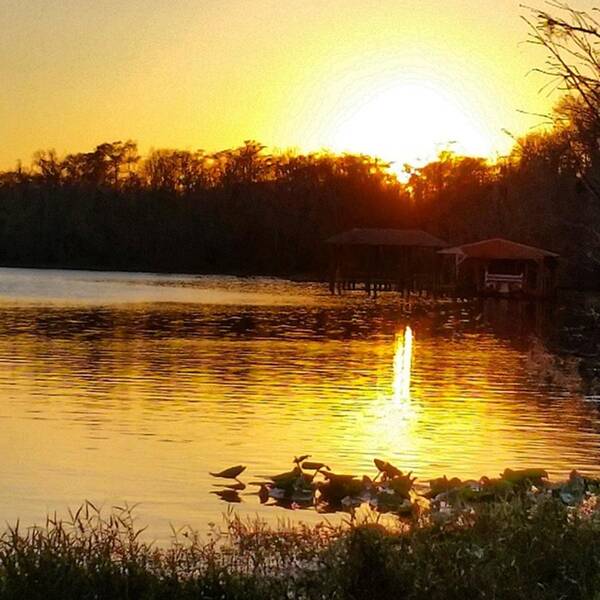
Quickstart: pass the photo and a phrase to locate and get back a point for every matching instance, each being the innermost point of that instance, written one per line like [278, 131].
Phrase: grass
[502, 550]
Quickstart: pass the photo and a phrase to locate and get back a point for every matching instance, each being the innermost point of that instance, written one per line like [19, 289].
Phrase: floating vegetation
[313, 485]
[231, 473]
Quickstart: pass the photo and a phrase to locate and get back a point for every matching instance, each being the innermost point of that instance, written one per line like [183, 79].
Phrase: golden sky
[397, 78]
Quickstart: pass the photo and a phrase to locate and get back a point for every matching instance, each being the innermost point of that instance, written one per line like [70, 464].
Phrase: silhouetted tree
[571, 39]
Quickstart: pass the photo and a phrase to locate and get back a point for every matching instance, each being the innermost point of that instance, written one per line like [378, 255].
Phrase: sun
[409, 121]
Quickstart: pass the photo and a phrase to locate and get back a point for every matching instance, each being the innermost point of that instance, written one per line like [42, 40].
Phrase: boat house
[403, 260]
[500, 267]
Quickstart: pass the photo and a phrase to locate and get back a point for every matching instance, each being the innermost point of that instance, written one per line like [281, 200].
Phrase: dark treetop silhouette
[246, 211]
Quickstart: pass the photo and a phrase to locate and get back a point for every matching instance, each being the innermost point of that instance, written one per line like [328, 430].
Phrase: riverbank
[509, 549]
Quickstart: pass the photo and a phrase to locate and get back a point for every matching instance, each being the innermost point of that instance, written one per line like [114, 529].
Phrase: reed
[508, 549]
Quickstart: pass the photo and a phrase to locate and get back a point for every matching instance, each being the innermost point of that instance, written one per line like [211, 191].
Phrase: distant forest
[247, 211]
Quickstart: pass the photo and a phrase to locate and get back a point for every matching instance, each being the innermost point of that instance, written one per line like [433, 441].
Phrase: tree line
[245, 210]
[240, 210]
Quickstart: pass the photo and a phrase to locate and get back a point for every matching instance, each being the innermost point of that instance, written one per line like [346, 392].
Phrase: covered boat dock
[403, 260]
[500, 267]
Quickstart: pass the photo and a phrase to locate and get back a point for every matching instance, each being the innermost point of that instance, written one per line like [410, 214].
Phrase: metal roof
[387, 237]
[498, 248]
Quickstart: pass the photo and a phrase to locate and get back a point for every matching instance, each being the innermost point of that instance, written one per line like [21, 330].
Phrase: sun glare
[402, 365]
[409, 121]
[393, 418]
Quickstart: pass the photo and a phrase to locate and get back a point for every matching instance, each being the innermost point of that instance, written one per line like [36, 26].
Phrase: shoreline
[512, 549]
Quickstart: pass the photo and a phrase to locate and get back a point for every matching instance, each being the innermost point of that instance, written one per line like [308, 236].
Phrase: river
[128, 388]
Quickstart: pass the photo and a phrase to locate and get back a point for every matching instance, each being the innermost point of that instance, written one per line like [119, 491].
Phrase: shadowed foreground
[503, 550]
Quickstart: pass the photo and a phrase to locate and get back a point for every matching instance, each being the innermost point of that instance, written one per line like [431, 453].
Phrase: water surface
[130, 388]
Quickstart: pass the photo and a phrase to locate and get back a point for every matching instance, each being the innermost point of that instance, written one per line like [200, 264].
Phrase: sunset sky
[397, 78]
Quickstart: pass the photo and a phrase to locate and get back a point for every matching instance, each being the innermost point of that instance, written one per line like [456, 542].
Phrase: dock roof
[387, 237]
[500, 249]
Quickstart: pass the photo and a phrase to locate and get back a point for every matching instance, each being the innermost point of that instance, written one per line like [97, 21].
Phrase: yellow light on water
[402, 365]
[393, 418]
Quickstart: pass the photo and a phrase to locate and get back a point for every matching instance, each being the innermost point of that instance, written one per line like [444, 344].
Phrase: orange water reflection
[472, 408]
[402, 366]
[137, 401]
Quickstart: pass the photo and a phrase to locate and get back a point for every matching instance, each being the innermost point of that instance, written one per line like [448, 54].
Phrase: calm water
[120, 387]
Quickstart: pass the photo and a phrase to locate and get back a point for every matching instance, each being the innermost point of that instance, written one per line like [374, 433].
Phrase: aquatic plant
[393, 491]
[230, 473]
[505, 549]
[314, 485]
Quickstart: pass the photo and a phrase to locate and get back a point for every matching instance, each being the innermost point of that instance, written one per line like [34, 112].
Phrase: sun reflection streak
[402, 366]
[393, 419]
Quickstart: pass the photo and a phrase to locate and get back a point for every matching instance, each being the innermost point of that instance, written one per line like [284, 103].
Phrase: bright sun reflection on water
[402, 366]
[394, 416]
